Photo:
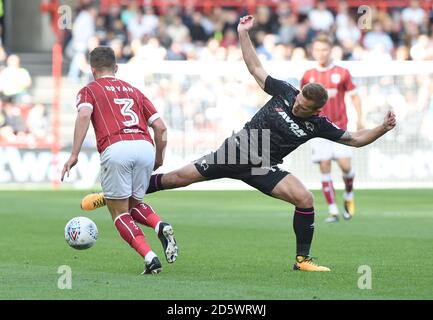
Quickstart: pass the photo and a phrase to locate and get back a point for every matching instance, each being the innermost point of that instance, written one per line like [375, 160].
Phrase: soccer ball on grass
[81, 233]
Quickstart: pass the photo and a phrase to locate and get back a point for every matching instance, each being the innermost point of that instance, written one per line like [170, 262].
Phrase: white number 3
[127, 111]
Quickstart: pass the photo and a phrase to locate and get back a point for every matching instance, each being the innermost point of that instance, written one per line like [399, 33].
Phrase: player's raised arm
[248, 52]
[366, 136]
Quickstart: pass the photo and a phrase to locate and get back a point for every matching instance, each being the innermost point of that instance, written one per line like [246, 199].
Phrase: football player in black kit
[289, 119]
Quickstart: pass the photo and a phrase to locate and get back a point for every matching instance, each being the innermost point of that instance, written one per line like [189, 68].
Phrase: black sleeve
[329, 130]
[275, 87]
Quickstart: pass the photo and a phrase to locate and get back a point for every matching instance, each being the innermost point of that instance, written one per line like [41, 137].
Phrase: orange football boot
[307, 264]
[93, 201]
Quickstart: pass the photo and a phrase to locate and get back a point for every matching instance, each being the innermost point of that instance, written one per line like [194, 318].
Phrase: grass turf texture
[233, 245]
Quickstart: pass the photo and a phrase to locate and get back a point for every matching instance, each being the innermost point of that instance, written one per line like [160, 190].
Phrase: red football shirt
[337, 81]
[120, 111]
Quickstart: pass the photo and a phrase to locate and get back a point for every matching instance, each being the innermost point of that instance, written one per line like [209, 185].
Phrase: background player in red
[120, 115]
[338, 82]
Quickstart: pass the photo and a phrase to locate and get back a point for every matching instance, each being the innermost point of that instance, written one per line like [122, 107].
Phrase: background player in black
[291, 118]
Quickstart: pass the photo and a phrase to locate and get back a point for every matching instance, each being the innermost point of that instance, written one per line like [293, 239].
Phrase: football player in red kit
[338, 82]
[120, 115]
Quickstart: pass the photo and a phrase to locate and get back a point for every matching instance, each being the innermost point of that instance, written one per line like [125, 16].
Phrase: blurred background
[185, 57]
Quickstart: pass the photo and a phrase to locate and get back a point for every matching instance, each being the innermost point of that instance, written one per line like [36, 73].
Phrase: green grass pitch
[233, 245]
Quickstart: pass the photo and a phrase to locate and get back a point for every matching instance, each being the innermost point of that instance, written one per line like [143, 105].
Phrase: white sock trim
[149, 257]
[121, 215]
[326, 177]
[157, 227]
[348, 195]
[333, 209]
[350, 174]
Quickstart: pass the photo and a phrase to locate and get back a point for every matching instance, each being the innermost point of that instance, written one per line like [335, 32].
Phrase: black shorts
[262, 179]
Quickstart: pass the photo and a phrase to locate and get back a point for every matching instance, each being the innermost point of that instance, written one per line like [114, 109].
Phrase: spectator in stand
[422, 49]
[304, 35]
[267, 48]
[37, 122]
[287, 29]
[129, 13]
[230, 20]
[15, 119]
[150, 21]
[304, 7]
[414, 14]
[347, 30]
[100, 29]
[82, 30]
[15, 81]
[321, 18]
[119, 32]
[177, 31]
[402, 53]
[112, 15]
[117, 46]
[153, 50]
[175, 52]
[196, 29]
[343, 16]
[135, 26]
[299, 54]
[265, 20]
[377, 37]
[349, 34]
[230, 38]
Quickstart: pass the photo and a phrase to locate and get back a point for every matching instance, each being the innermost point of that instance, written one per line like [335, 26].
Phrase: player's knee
[305, 199]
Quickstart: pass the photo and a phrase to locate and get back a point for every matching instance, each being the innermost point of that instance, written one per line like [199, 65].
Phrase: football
[81, 233]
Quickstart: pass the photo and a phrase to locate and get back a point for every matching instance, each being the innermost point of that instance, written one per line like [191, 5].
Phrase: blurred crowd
[138, 32]
[191, 105]
[22, 122]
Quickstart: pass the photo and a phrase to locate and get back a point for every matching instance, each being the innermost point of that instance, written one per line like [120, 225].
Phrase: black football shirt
[287, 132]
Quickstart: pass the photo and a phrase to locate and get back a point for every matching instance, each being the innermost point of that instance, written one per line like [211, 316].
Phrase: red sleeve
[149, 111]
[85, 99]
[348, 84]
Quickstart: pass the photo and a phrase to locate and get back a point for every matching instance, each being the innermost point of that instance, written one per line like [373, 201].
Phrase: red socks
[328, 191]
[144, 214]
[132, 234]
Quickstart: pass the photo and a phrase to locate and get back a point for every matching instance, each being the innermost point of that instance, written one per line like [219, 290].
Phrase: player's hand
[245, 23]
[390, 121]
[72, 161]
[158, 163]
[359, 125]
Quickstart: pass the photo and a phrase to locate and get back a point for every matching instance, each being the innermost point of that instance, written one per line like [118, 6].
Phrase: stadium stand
[199, 32]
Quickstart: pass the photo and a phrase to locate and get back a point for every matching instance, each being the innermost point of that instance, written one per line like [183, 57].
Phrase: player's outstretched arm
[160, 136]
[81, 126]
[366, 136]
[248, 52]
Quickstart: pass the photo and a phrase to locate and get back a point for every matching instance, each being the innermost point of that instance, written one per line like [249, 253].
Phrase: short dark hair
[315, 92]
[102, 58]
